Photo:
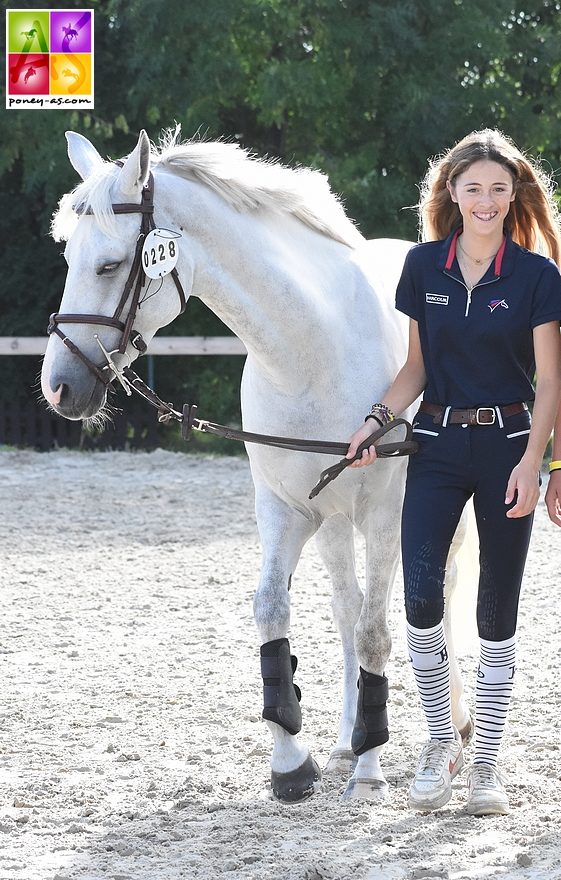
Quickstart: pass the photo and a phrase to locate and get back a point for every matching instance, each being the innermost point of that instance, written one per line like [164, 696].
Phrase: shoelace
[485, 775]
[432, 756]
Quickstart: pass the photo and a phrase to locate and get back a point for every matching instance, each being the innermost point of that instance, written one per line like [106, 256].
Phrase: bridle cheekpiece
[135, 283]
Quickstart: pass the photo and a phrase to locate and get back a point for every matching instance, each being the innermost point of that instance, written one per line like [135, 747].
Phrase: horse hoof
[341, 761]
[467, 731]
[373, 790]
[298, 785]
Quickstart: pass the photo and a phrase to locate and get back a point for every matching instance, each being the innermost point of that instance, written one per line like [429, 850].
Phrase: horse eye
[108, 268]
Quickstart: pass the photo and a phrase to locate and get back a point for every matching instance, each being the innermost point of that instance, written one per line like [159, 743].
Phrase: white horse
[272, 253]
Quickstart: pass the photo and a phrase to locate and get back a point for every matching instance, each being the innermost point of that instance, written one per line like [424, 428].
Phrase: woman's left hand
[553, 497]
[524, 483]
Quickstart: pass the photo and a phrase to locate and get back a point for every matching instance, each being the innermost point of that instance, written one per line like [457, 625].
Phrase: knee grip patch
[371, 724]
[281, 697]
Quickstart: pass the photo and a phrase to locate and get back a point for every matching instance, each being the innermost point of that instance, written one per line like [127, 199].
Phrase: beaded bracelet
[380, 411]
[554, 466]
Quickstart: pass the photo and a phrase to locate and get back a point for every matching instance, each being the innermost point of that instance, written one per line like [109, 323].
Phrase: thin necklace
[475, 259]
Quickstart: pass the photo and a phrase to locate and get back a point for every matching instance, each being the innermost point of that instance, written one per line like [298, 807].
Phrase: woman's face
[483, 193]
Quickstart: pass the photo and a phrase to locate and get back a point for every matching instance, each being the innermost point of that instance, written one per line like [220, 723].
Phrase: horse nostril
[55, 397]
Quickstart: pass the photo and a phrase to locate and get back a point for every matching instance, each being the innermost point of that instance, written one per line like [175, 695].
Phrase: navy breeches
[453, 464]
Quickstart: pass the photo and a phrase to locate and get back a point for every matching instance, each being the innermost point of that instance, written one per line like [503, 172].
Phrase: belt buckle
[482, 409]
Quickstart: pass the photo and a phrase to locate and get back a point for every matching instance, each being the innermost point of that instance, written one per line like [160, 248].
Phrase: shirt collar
[503, 263]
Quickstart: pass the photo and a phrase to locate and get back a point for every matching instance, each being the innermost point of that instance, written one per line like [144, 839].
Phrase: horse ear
[83, 156]
[136, 169]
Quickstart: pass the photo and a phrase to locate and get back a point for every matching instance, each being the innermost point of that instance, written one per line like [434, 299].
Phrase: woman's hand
[363, 433]
[553, 497]
[523, 482]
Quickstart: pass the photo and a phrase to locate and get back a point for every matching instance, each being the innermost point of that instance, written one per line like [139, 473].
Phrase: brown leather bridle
[135, 283]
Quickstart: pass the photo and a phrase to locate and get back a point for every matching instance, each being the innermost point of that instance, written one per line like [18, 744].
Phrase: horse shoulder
[382, 259]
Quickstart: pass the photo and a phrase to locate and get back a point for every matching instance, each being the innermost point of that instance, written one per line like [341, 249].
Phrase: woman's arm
[553, 494]
[406, 387]
[524, 478]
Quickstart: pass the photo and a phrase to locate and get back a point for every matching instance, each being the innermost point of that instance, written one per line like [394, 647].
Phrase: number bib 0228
[160, 252]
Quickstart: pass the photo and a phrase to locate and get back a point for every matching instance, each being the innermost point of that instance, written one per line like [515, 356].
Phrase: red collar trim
[452, 249]
[452, 253]
[499, 257]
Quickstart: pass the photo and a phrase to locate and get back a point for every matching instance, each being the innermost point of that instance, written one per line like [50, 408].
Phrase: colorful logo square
[49, 59]
[28, 74]
[71, 31]
[28, 30]
[71, 74]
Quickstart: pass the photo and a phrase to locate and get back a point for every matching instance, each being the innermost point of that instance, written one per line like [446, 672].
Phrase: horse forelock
[93, 193]
[245, 182]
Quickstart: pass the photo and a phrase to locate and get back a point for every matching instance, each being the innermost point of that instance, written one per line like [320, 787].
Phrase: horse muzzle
[70, 388]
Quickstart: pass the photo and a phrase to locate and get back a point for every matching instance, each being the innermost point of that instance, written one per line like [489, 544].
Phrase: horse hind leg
[463, 539]
[295, 776]
[373, 646]
[335, 543]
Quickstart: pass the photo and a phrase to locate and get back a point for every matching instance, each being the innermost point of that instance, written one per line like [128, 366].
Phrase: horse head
[108, 302]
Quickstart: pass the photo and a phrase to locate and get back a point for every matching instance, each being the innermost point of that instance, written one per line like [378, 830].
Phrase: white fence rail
[160, 345]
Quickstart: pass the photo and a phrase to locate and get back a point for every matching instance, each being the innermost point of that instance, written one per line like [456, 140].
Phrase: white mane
[244, 182]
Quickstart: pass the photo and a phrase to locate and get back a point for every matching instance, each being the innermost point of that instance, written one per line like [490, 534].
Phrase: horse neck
[273, 281]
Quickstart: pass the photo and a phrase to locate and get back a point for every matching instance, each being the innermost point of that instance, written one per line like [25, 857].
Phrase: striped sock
[495, 678]
[429, 658]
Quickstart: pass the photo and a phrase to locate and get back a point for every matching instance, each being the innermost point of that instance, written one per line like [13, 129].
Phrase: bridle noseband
[135, 283]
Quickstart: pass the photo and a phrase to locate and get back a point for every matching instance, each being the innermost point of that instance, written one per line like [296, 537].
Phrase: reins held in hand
[190, 422]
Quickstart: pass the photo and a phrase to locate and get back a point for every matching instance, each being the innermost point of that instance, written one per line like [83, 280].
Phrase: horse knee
[271, 607]
[373, 644]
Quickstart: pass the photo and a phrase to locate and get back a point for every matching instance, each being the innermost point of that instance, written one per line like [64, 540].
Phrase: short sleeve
[546, 306]
[405, 296]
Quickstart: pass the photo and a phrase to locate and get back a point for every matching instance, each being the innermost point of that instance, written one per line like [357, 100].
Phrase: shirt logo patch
[495, 303]
[438, 299]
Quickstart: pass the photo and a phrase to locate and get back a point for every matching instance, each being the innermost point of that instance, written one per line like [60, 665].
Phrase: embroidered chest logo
[438, 299]
[495, 303]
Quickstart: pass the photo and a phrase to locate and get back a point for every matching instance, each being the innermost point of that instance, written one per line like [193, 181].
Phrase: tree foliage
[364, 89]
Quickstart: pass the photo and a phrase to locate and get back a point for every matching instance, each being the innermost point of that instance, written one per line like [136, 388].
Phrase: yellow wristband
[554, 466]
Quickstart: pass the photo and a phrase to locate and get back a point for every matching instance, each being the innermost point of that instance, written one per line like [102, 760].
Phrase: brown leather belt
[480, 415]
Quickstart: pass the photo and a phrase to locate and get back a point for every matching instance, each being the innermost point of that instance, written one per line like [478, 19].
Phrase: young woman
[484, 312]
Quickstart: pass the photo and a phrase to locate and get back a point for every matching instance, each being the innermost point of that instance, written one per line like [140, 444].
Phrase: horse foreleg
[373, 646]
[283, 532]
[335, 543]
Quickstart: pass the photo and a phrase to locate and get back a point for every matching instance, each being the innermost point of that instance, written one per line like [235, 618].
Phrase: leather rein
[189, 421]
[188, 416]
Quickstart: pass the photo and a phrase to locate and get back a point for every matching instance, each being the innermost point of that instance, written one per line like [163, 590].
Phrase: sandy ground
[131, 740]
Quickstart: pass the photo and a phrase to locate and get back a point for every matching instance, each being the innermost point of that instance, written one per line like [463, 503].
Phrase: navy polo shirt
[477, 345]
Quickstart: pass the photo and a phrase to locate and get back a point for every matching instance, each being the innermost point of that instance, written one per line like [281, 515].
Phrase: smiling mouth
[489, 215]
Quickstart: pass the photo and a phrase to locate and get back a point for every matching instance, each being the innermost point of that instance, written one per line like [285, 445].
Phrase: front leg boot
[281, 697]
[371, 724]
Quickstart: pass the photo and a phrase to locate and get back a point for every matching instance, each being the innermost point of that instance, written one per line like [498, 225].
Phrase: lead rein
[189, 421]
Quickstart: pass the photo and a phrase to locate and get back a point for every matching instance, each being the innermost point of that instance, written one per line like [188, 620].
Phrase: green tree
[364, 89]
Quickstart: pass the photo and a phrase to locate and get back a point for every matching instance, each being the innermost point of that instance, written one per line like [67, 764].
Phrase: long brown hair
[533, 221]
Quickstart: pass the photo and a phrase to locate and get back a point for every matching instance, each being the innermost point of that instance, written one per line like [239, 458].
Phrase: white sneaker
[439, 762]
[486, 792]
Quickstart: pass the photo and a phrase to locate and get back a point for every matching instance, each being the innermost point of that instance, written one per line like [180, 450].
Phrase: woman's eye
[108, 268]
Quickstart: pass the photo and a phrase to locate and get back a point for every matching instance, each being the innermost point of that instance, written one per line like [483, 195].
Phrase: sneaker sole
[488, 809]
